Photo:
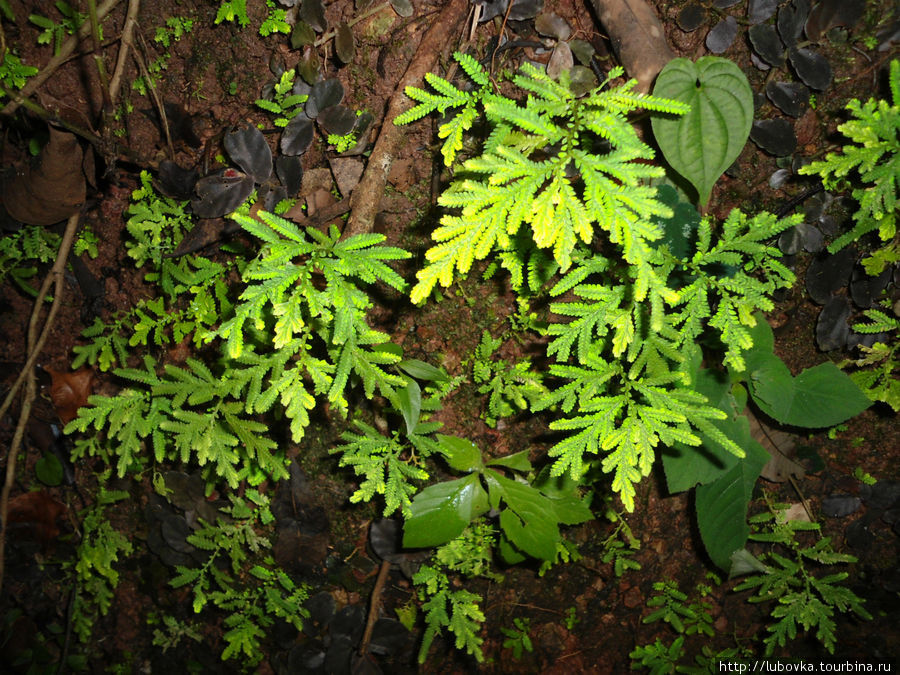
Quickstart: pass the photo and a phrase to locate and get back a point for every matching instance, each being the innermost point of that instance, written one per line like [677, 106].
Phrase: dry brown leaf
[53, 187]
[32, 516]
[69, 391]
[780, 446]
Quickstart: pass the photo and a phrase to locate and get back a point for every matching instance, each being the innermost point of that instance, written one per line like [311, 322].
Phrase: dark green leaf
[49, 470]
[410, 401]
[722, 507]
[441, 512]
[517, 461]
[461, 453]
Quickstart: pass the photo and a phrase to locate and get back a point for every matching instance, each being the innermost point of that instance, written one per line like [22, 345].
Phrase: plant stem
[35, 345]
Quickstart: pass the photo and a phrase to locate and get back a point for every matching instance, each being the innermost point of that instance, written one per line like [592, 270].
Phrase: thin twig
[98, 61]
[154, 94]
[35, 345]
[125, 44]
[374, 604]
[64, 52]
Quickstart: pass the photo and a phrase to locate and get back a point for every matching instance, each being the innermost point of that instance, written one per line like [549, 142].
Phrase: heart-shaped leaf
[249, 150]
[703, 143]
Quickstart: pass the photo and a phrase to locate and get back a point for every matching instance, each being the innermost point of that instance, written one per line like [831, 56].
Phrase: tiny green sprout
[870, 42]
[570, 620]
[518, 639]
[232, 88]
[812, 101]
[835, 430]
[87, 243]
[863, 476]
[342, 143]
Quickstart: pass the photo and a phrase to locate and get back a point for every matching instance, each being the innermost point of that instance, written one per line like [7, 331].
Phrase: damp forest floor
[581, 616]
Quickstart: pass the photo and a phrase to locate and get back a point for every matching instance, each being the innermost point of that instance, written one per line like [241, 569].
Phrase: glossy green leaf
[441, 512]
[410, 401]
[818, 397]
[703, 143]
[529, 519]
[722, 507]
[461, 453]
[517, 462]
[422, 370]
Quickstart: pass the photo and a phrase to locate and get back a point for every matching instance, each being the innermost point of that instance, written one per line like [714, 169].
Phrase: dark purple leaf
[389, 636]
[885, 494]
[337, 119]
[811, 67]
[828, 14]
[832, 330]
[866, 290]
[791, 18]
[760, 10]
[583, 51]
[767, 44]
[313, 13]
[790, 241]
[290, 172]
[349, 622]
[758, 62]
[691, 17]
[297, 136]
[175, 182]
[221, 193]
[249, 150]
[344, 43]
[775, 136]
[812, 238]
[722, 35]
[303, 35]
[840, 506]
[790, 97]
[403, 8]
[323, 95]
[829, 272]
[552, 25]
[321, 608]
[363, 122]
[269, 196]
[309, 65]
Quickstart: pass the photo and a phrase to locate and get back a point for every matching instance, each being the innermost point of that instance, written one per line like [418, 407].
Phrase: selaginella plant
[870, 164]
[574, 171]
[646, 290]
[802, 599]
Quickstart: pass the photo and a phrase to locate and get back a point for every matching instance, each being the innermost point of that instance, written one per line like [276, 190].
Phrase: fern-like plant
[871, 163]
[802, 599]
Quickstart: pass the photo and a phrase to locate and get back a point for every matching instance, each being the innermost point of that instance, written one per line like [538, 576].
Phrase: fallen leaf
[53, 187]
[35, 514]
[69, 391]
